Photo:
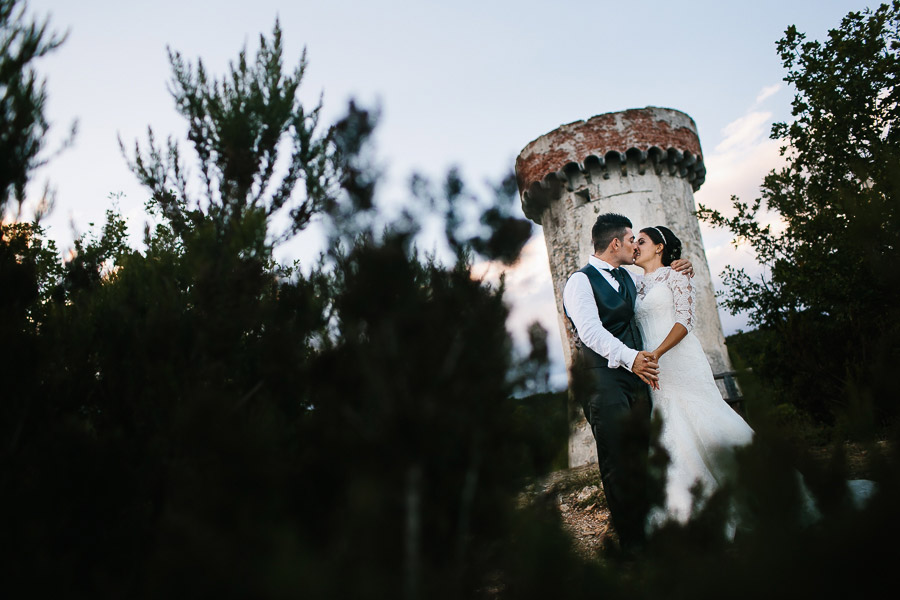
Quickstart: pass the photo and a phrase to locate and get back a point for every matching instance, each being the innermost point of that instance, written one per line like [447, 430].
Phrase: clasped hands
[646, 366]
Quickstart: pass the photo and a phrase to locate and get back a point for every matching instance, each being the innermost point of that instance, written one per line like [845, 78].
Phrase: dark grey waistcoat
[616, 311]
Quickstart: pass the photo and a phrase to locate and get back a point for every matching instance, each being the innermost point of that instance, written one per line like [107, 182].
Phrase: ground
[577, 495]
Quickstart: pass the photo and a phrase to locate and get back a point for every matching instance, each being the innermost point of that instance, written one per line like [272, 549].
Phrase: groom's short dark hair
[608, 227]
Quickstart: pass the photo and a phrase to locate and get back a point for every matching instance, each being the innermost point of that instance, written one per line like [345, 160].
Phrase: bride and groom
[634, 350]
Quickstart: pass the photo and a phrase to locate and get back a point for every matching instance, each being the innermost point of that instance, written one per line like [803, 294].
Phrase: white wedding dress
[699, 430]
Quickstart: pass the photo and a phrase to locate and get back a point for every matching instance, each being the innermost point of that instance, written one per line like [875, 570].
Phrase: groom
[611, 371]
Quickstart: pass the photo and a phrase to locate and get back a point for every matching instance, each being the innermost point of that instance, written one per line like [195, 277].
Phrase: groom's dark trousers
[616, 404]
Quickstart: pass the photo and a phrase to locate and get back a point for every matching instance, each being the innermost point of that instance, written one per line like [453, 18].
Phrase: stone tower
[643, 163]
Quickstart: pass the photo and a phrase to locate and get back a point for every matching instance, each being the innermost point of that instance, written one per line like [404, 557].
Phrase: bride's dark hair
[671, 244]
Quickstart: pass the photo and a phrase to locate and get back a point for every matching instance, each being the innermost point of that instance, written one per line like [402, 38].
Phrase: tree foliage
[240, 128]
[826, 305]
[193, 415]
[23, 96]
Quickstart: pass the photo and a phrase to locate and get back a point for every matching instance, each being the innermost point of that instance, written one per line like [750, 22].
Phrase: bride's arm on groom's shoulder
[683, 297]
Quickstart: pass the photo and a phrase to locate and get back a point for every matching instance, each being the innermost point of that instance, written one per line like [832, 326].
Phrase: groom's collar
[598, 263]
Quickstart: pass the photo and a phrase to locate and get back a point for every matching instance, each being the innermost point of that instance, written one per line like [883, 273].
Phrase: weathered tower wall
[642, 163]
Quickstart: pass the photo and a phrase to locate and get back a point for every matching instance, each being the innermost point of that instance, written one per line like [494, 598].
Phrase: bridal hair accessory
[660, 234]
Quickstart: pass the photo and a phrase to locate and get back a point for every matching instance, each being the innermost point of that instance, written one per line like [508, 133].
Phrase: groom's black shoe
[626, 553]
[631, 552]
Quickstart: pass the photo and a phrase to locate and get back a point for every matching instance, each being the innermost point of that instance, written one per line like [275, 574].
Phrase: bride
[698, 427]
[699, 430]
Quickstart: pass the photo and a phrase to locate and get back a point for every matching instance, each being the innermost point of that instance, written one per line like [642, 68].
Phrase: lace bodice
[682, 291]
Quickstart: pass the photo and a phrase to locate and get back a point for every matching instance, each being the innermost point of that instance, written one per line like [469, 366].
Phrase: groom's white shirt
[578, 299]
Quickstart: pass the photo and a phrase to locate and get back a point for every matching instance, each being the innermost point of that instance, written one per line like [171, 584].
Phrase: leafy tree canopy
[831, 279]
[22, 98]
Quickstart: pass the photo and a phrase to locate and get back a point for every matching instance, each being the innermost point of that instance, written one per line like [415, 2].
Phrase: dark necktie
[619, 276]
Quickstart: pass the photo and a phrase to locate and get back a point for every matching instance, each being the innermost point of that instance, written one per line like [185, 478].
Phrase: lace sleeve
[683, 293]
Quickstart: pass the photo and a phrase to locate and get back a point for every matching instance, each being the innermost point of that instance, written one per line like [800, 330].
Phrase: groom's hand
[683, 265]
[646, 366]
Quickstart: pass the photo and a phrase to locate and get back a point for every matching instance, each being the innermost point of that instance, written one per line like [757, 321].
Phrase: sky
[462, 83]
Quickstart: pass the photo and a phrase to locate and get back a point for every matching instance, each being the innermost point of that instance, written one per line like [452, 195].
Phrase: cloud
[529, 288]
[744, 132]
[767, 92]
[736, 167]
[740, 161]
[529, 295]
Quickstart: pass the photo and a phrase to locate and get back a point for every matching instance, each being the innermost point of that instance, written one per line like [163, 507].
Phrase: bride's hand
[654, 357]
[683, 265]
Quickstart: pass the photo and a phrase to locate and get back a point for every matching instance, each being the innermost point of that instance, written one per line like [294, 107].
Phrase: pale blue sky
[459, 83]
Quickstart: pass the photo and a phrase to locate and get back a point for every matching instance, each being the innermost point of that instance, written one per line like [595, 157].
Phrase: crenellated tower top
[652, 137]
